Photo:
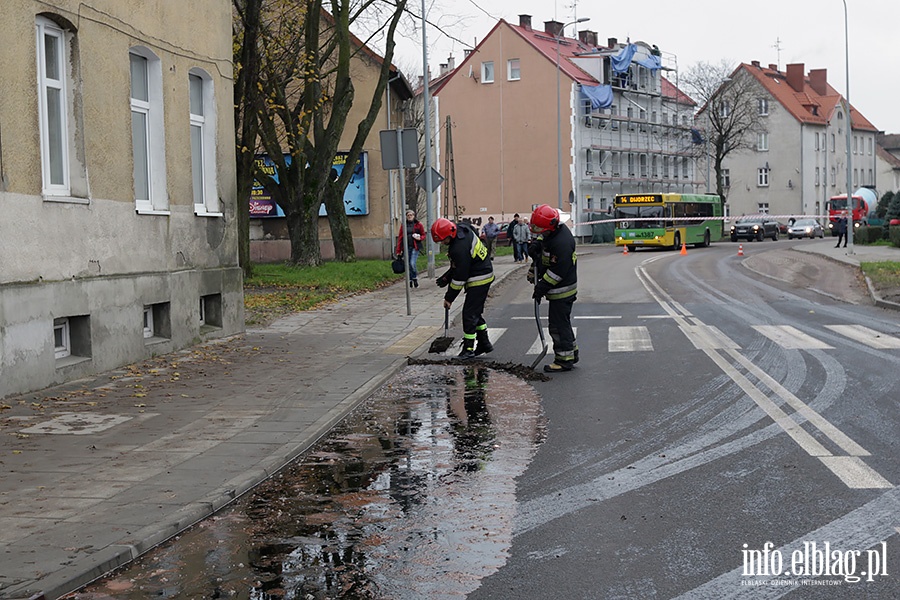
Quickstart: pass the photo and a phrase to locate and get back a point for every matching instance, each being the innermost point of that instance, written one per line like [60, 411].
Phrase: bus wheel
[677, 244]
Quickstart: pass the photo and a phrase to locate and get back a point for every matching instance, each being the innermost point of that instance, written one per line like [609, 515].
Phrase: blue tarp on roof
[601, 96]
[621, 61]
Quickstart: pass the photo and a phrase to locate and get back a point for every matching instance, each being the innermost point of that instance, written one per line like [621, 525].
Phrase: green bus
[667, 220]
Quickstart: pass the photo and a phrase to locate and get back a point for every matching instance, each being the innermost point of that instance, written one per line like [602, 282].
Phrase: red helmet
[543, 219]
[443, 229]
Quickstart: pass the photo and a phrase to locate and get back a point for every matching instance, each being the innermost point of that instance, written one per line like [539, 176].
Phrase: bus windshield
[640, 212]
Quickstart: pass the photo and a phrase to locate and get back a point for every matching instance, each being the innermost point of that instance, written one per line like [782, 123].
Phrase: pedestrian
[842, 231]
[470, 269]
[554, 255]
[491, 231]
[416, 242]
[509, 236]
[521, 236]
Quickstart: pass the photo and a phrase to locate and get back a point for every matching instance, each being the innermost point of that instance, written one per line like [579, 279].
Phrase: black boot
[468, 349]
[415, 282]
[484, 344]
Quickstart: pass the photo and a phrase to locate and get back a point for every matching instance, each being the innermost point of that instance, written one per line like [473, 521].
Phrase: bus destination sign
[640, 199]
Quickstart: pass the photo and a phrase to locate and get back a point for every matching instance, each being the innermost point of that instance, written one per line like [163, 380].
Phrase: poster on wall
[356, 195]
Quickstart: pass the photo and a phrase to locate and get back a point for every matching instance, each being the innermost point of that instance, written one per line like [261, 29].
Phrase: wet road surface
[412, 496]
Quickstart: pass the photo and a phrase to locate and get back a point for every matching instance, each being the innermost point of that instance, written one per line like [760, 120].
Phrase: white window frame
[152, 110]
[726, 178]
[762, 106]
[53, 150]
[513, 69]
[817, 176]
[762, 142]
[148, 322]
[762, 177]
[64, 347]
[203, 157]
[487, 72]
[202, 310]
[762, 208]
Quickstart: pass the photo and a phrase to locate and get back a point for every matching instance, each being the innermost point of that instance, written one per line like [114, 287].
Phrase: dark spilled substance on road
[412, 496]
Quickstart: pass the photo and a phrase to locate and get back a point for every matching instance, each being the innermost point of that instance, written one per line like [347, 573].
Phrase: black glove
[442, 281]
[537, 295]
[530, 276]
[535, 250]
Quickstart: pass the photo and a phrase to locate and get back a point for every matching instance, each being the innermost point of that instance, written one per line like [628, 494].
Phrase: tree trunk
[339, 224]
[303, 229]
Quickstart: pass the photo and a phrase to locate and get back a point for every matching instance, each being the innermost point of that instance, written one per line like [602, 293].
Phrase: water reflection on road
[411, 497]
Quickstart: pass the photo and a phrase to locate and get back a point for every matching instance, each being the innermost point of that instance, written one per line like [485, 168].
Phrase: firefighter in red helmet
[554, 254]
[470, 269]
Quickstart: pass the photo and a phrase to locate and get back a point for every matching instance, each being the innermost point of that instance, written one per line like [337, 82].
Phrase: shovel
[537, 319]
[441, 344]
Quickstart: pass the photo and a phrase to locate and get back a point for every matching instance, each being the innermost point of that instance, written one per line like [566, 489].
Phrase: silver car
[806, 228]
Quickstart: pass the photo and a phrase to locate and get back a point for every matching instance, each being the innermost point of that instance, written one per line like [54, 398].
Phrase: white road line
[629, 339]
[869, 337]
[707, 337]
[791, 338]
[536, 347]
[598, 317]
[855, 473]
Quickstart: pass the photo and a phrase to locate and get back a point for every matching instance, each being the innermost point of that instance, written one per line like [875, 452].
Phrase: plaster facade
[91, 278]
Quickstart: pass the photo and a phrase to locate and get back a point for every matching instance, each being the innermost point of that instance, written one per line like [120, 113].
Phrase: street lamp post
[849, 127]
[559, 202]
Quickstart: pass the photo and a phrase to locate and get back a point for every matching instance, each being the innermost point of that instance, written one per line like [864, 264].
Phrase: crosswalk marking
[707, 337]
[869, 337]
[629, 339]
[791, 338]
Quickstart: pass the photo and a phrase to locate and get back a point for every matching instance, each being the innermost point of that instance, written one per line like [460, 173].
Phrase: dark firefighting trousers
[560, 317]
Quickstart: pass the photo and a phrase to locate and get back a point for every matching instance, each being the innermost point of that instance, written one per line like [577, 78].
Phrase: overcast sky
[806, 31]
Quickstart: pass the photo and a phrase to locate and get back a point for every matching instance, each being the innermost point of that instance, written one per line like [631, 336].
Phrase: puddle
[412, 497]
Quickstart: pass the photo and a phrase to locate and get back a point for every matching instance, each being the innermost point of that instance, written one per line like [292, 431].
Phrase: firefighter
[470, 269]
[554, 254]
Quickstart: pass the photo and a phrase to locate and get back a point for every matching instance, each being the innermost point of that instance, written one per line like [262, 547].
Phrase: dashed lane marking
[791, 338]
[869, 337]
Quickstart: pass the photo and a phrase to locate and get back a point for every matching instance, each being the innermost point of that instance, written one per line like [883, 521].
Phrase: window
[203, 144]
[817, 140]
[762, 106]
[487, 72]
[684, 166]
[724, 108]
[832, 142]
[855, 144]
[588, 162]
[817, 176]
[665, 167]
[53, 104]
[726, 178]
[762, 208]
[513, 71]
[833, 177]
[61, 345]
[654, 167]
[147, 132]
[762, 177]
[762, 142]
[631, 170]
[210, 311]
[643, 164]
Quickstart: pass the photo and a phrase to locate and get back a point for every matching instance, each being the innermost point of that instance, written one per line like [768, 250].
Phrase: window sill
[66, 199]
[154, 340]
[70, 361]
[203, 213]
[160, 213]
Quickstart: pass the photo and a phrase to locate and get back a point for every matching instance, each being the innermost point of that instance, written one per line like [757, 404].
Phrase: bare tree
[245, 31]
[729, 112]
[305, 59]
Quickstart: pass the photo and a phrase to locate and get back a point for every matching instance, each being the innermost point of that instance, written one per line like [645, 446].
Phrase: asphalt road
[721, 428]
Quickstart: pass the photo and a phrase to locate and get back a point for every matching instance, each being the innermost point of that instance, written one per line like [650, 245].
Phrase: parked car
[754, 227]
[502, 238]
[782, 228]
[806, 228]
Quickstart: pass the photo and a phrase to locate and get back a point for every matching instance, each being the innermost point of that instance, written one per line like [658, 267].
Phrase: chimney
[451, 63]
[525, 21]
[818, 81]
[612, 42]
[795, 76]
[773, 67]
[755, 63]
[553, 28]
[466, 52]
[444, 69]
[588, 37]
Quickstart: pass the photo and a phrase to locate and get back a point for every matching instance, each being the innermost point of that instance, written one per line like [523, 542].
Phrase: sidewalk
[96, 472]
[854, 256]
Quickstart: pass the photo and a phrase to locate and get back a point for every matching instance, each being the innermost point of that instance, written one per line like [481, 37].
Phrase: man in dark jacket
[842, 231]
[557, 279]
[470, 269]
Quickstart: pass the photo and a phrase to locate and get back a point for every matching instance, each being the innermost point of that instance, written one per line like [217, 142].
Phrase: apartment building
[799, 157]
[538, 117]
[118, 237]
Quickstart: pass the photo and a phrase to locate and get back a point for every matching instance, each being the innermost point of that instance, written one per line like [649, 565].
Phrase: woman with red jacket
[416, 240]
